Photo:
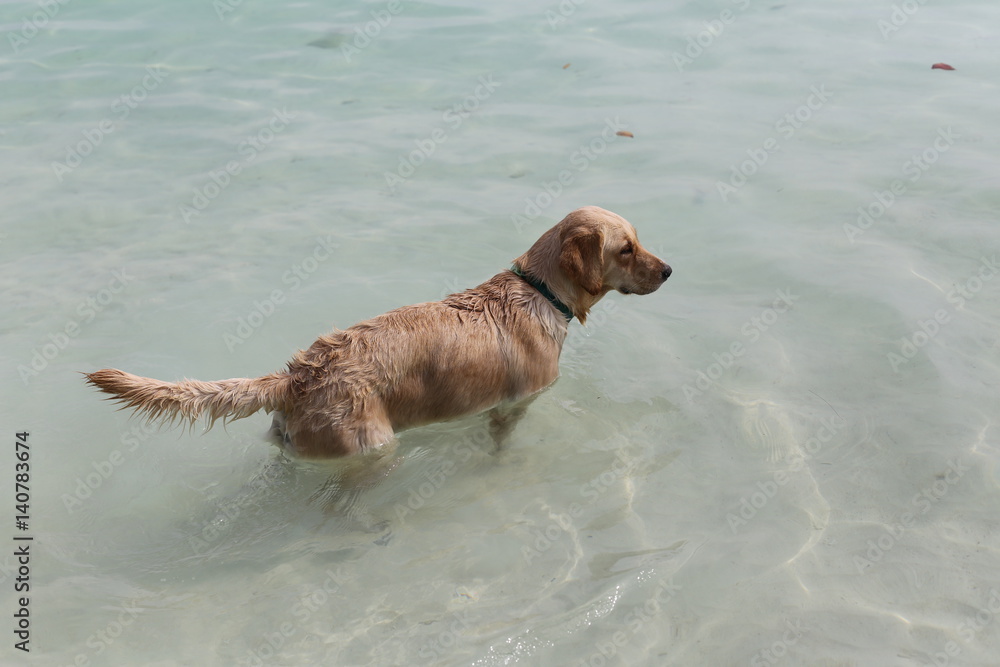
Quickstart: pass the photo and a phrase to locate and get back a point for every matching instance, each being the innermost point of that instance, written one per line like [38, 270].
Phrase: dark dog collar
[545, 291]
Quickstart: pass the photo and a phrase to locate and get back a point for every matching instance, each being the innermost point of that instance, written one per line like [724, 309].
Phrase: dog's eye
[627, 250]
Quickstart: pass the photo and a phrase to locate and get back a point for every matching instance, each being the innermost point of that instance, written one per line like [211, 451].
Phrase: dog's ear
[582, 259]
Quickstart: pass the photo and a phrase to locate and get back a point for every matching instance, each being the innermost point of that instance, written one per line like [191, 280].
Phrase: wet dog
[492, 347]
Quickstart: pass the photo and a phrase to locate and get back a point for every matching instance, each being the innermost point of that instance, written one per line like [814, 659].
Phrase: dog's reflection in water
[366, 492]
[349, 479]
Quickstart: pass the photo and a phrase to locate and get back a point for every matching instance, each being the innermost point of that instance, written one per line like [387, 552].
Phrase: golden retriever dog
[492, 347]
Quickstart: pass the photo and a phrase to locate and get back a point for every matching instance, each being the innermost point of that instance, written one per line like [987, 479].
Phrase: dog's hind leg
[277, 430]
[316, 433]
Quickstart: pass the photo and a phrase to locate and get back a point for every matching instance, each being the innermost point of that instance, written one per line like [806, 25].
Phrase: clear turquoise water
[785, 456]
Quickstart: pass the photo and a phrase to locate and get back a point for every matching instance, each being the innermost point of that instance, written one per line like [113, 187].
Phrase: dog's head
[590, 253]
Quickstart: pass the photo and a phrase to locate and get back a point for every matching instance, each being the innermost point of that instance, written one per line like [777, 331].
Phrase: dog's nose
[666, 271]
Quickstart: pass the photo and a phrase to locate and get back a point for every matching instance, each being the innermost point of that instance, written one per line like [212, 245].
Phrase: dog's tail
[187, 400]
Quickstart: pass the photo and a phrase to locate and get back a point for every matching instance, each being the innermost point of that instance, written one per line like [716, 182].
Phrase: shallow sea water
[787, 455]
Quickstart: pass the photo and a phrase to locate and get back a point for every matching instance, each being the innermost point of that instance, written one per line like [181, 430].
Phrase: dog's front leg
[504, 417]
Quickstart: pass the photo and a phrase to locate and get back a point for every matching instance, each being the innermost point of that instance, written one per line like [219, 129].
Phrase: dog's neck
[545, 291]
